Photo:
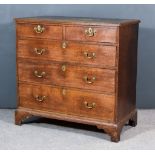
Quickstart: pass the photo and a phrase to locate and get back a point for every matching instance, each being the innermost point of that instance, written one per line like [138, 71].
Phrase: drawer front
[91, 54]
[68, 101]
[40, 49]
[68, 75]
[39, 31]
[97, 34]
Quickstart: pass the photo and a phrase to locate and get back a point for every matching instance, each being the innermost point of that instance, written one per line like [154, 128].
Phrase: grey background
[146, 52]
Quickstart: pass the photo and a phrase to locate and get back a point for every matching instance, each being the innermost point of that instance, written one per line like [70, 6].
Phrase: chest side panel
[127, 70]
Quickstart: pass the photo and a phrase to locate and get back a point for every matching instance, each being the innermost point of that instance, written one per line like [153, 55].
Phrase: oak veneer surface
[73, 76]
[68, 101]
[105, 56]
[78, 69]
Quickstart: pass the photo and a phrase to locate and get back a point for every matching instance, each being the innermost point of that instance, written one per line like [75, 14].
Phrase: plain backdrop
[146, 47]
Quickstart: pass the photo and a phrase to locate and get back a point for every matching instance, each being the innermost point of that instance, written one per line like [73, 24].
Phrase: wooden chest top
[77, 20]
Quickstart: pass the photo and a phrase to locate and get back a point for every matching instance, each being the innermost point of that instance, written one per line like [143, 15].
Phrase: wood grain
[105, 56]
[68, 101]
[127, 72]
[50, 32]
[72, 77]
[103, 34]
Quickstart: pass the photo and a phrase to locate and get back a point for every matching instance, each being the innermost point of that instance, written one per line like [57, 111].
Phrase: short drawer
[91, 54]
[68, 101]
[68, 75]
[39, 31]
[91, 33]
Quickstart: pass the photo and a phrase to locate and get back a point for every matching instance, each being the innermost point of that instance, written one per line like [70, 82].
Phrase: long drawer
[68, 75]
[84, 53]
[68, 101]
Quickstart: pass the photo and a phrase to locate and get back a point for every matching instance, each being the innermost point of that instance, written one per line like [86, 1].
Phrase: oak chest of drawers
[78, 69]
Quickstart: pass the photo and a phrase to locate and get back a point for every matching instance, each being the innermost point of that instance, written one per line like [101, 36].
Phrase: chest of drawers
[78, 69]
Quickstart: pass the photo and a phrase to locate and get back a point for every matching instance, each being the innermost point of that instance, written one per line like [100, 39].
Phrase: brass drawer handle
[39, 29]
[89, 105]
[90, 32]
[63, 68]
[40, 98]
[39, 75]
[89, 80]
[64, 45]
[39, 51]
[89, 55]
